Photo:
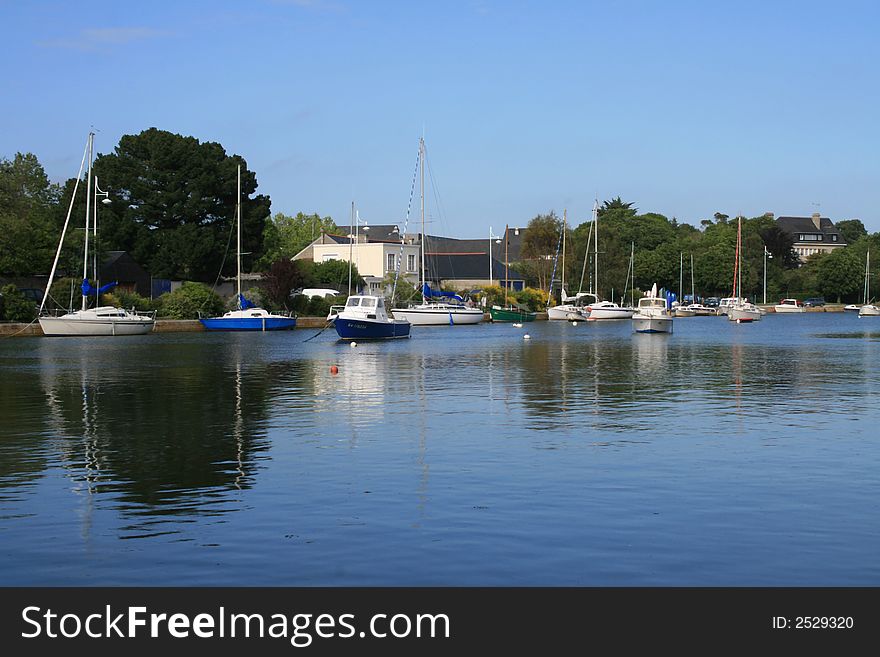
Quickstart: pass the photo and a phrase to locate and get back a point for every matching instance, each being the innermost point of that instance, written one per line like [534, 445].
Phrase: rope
[412, 192]
[329, 324]
[12, 335]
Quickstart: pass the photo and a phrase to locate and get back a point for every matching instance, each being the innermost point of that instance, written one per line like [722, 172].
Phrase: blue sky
[684, 108]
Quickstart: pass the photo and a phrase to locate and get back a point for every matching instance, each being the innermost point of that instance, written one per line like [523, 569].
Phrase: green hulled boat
[511, 314]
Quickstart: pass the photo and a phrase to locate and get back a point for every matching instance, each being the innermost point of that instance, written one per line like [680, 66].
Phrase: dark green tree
[539, 246]
[174, 201]
[780, 244]
[851, 230]
[285, 236]
[839, 274]
[28, 234]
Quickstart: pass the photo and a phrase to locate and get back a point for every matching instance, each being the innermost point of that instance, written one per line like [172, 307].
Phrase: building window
[834, 238]
[809, 237]
[390, 262]
[411, 263]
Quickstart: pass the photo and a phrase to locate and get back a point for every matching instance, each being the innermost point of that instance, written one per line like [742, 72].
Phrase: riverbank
[193, 325]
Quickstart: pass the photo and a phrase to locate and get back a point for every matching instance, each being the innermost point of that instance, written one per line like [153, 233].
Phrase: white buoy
[517, 325]
[574, 323]
[354, 344]
[527, 337]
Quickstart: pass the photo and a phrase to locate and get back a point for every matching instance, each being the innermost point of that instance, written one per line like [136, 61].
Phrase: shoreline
[194, 326]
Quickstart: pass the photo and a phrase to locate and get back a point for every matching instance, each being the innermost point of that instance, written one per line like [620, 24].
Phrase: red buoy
[334, 369]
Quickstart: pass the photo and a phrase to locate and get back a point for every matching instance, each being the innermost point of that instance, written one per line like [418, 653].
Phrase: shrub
[531, 298]
[190, 299]
[14, 306]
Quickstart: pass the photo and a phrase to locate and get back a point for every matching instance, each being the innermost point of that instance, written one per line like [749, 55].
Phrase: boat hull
[788, 309]
[507, 315]
[59, 326]
[869, 311]
[366, 329]
[685, 312]
[743, 316]
[643, 324]
[611, 313]
[439, 316]
[248, 323]
[566, 312]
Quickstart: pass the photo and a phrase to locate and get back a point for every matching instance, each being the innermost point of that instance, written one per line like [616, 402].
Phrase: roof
[447, 258]
[796, 225]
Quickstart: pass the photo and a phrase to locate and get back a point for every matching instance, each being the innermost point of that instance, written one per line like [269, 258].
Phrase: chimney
[817, 220]
[769, 215]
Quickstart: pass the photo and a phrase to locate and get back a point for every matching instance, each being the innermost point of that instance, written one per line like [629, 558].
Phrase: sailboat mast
[596, 247]
[85, 299]
[238, 221]
[506, 263]
[867, 278]
[693, 289]
[680, 277]
[422, 193]
[632, 270]
[350, 246]
[562, 291]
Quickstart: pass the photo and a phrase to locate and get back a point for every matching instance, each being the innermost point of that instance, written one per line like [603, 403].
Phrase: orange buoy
[334, 369]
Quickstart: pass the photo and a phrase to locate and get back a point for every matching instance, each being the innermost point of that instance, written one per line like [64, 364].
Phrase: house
[119, 266]
[814, 234]
[376, 251]
[449, 262]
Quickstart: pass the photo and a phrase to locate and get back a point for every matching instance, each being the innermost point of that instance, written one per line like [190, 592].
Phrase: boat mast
[350, 245]
[562, 291]
[680, 277]
[422, 192]
[596, 247]
[693, 289]
[867, 278]
[506, 264]
[238, 220]
[85, 299]
[632, 268]
[736, 262]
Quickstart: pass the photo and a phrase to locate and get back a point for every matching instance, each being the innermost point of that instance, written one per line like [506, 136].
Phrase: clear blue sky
[684, 108]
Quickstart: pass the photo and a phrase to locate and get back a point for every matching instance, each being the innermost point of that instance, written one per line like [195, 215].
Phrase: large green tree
[851, 230]
[174, 203]
[285, 236]
[539, 247]
[28, 232]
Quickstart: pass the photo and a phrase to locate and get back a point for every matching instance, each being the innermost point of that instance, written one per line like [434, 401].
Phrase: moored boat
[789, 306]
[364, 318]
[652, 315]
[511, 314]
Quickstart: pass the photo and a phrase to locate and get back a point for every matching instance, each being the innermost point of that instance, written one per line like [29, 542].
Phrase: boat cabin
[366, 306]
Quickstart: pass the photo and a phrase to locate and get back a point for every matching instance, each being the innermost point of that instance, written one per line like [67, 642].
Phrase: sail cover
[428, 293]
[243, 303]
[89, 290]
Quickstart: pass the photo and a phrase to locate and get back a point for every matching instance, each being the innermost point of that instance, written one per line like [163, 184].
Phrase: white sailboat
[680, 309]
[868, 309]
[741, 310]
[434, 313]
[603, 309]
[652, 315]
[246, 317]
[100, 320]
[571, 308]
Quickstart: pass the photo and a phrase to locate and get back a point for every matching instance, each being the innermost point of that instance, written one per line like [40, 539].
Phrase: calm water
[720, 455]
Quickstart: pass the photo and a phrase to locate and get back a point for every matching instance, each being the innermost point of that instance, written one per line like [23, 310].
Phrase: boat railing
[334, 310]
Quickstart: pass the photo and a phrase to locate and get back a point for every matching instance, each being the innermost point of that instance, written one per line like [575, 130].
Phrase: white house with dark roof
[811, 235]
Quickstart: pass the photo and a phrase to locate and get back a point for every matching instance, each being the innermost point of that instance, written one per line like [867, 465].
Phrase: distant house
[815, 234]
[121, 267]
[449, 262]
[376, 251]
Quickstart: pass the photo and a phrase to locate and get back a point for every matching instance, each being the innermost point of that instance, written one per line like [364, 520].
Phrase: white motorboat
[680, 310]
[852, 308]
[610, 310]
[702, 311]
[652, 316]
[789, 306]
[100, 320]
[364, 318]
[869, 310]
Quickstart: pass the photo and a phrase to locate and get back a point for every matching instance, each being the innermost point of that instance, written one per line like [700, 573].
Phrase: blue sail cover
[670, 298]
[89, 290]
[243, 303]
[428, 293]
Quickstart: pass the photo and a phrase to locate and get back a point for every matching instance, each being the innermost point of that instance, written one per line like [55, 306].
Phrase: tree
[616, 206]
[851, 230]
[14, 307]
[539, 245]
[334, 274]
[27, 205]
[174, 201]
[780, 244]
[285, 236]
[283, 277]
[839, 274]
